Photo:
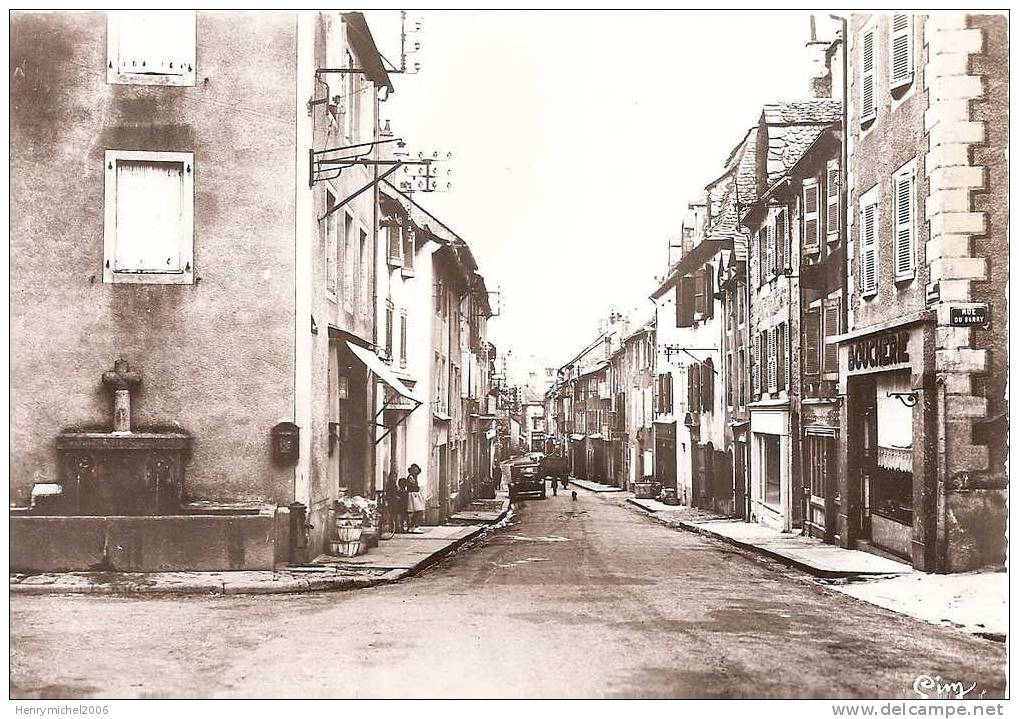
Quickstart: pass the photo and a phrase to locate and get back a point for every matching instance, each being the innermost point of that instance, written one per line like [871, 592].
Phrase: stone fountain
[120, 472]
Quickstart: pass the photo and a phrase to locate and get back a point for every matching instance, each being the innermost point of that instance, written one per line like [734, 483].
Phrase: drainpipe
[941, 530]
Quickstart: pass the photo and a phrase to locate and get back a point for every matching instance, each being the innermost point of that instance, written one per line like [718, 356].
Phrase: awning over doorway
[576, 437]
[381, 370]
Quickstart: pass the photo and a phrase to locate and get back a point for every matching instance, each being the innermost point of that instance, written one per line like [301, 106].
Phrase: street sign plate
[973, 316]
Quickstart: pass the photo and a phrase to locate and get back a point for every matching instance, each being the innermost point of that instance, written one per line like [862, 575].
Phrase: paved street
[571, 599]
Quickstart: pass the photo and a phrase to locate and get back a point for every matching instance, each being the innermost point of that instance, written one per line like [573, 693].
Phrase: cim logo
[928, 687]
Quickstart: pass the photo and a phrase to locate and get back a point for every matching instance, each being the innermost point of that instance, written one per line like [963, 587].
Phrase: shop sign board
[879, 351]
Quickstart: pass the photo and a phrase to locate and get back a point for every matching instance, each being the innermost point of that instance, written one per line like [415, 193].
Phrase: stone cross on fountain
[121, 380]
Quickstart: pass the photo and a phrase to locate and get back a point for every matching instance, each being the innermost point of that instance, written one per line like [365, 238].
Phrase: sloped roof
[800, 112]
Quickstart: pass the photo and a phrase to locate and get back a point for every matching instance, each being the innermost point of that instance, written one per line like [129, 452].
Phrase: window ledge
[407, 272]
[114, 77]
[395, 261]
[148, 278]
[904, 279]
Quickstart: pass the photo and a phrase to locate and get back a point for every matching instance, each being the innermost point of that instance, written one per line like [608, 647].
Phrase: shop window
[150, 47]
[148, 232]
[771, 451]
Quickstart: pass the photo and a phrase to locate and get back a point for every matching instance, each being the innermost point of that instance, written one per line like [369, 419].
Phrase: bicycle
[386, 520]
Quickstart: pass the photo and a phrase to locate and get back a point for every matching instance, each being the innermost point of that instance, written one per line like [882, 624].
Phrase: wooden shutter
[708, 384]
[771, 250]
[811, 229]
[699, 299]
[868, 250]
[709, 293]
[868, 106]
[902, 183]
[762, 255]
[787, 351]
[150, 222]
[389, 332]
[812, 342]
[832, 317]
[403, 339]
[832, 197]
[781, 255]
[688, 291]
[755, 366]
[900, 71]
[772, 360]
[780, 358]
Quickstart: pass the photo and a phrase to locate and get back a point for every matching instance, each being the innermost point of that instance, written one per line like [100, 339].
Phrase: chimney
[818, 63]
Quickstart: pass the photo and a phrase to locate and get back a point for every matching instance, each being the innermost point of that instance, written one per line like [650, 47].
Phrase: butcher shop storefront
[887, 489]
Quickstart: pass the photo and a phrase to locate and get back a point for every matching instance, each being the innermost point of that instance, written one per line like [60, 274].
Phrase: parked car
[526, 478]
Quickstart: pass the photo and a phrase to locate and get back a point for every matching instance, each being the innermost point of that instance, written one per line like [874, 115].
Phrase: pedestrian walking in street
[555, 487]
[415, 502]
[394, 507]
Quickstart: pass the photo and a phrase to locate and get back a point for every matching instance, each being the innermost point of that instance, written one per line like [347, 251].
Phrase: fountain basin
[119, 473]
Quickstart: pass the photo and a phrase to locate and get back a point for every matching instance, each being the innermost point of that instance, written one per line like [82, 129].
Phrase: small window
[868, 105]
[811, 214]
[150, 47]
[900, 71]
[904, 249]
[832, 204]
[148, 233]
[408, 249]
[403, 338]
[352, 100]
[362, 265]
[394, 242]
[762, 256]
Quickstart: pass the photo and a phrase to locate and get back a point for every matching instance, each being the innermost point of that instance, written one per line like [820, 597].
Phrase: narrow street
[584, 598]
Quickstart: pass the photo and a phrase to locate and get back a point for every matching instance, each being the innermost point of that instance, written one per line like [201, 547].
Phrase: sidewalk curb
[753, 548]
[288, 585]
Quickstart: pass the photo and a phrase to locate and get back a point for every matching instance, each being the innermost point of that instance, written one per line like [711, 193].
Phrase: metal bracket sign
[970, 316]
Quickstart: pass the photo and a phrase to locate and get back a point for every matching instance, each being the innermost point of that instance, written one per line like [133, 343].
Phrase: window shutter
[868, 250]
[755, 366]
[709, 293]
[708, 384]
[698, 301]
[868, 108]
[762, 255]
[771, 250]
[900, 71]
[812, 342]
[780, 358]
[832, 317]
[150, 222]
[688, 290]
[772, 360]
[787, 350]
[403, 339]
[903, 241]
[389, 332]
[781, 256]
[811, 234]
[155, 42]
[832, 205]
[679, 303]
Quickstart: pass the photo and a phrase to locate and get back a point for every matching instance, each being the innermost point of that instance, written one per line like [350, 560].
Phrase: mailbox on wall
[286, 442]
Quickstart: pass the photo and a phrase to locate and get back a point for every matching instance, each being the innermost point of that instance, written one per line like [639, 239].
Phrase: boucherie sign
[876, 351]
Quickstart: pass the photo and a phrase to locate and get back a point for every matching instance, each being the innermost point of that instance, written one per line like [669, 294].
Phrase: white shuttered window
[867, 275]
[772, 360]
[832, 200]
[868, 106]
[900, 71]
[148, 233]
[151, 47]
[904, 249]
[811, 229]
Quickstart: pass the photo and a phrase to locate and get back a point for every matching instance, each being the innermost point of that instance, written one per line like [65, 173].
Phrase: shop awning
[596, 435]
[381, 370]
[576, 437]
